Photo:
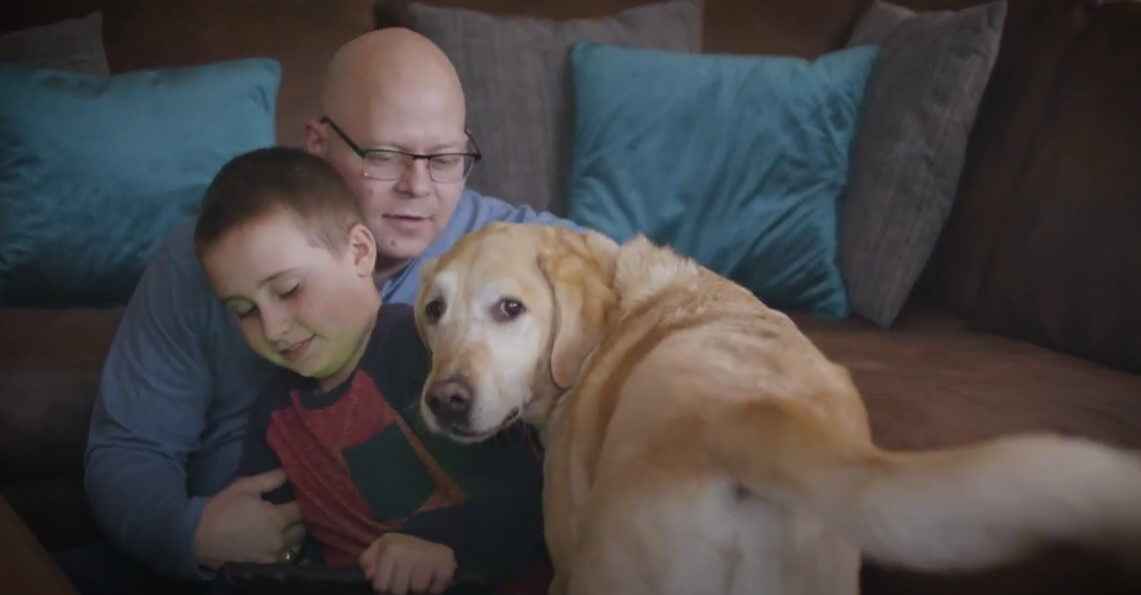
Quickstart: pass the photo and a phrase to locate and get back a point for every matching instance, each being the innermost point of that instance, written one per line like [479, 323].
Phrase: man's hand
[238, 526]
[399, 564]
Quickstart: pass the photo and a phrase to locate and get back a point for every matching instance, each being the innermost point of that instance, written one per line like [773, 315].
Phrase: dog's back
[721, 452]
[660, 517]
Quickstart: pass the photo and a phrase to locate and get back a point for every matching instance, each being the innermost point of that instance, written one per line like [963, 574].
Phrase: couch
[1024, 318]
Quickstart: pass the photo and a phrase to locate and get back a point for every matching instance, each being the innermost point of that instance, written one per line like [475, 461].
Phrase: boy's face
[297, 303]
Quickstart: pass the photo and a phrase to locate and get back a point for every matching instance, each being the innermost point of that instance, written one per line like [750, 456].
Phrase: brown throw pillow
[516, 77]
[919, 108]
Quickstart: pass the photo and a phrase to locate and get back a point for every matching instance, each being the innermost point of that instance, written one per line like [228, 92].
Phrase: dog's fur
[698, 443]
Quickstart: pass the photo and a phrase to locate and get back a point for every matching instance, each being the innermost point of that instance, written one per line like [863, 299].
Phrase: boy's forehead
[262, 248]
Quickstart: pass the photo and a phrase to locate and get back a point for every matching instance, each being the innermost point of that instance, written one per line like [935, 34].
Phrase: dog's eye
[508, 309]
[434, 310]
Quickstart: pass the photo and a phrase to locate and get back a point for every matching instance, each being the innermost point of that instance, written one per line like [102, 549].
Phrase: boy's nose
[274, 326]
[450, 402]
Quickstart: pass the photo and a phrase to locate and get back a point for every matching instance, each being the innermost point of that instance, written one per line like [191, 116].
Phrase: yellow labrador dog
[699, 444]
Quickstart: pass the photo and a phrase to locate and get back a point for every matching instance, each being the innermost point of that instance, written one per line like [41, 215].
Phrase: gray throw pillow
[516, 77]
[71, 44]
[919, 109]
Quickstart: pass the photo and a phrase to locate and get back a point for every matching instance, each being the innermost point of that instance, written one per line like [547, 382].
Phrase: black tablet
[311, 579]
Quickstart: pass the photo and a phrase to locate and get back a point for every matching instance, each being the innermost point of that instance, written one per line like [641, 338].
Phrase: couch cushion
[1066, 271]
[920, 107]
[515, 73]
[930, 382]
[48, 380]
[97, 170]
[736, 161]
[1035, 41]
[74, 44]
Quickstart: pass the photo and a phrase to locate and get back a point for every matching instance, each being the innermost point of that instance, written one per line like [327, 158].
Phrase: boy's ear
[362, 249]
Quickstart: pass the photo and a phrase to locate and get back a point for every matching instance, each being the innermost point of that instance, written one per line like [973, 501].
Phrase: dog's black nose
[450, 401]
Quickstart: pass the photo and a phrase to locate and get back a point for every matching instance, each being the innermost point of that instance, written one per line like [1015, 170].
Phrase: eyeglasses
[390, 164]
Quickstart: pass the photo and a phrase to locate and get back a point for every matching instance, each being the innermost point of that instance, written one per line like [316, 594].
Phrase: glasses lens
[383, 165]
[443, 169]
[447, 169]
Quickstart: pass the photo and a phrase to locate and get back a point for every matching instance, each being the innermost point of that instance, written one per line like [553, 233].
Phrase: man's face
[407, 212]
[298, 304]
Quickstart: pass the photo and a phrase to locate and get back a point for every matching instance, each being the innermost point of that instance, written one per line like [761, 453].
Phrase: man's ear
[315, 137]
[362, 249]
[579, 275]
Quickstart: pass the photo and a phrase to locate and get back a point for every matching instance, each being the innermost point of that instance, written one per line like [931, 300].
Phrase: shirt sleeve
[147, 418]
[495, 535]
[495, 209]
[257, 455]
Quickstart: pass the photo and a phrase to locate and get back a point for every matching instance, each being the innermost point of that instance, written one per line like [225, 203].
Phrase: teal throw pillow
[737, 161]
[96, 170]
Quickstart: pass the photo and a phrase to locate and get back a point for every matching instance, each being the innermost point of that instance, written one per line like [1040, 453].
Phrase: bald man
[169, 420]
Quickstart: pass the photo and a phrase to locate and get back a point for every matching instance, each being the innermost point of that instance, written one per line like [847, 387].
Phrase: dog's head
[509, 314]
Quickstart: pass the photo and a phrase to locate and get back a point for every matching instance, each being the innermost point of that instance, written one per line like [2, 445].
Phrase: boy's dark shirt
[355, 461]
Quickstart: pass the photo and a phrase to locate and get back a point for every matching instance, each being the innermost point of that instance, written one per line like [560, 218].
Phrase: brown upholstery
[1066, 271]
[929, 382]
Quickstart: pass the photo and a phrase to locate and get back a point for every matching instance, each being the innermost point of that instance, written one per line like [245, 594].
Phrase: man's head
[282, 242]
[394, 90]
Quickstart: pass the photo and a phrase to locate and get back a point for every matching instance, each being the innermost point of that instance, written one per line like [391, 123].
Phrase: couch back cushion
[97, 170]
[1065, 270]
[1035, 41]
[300, 34]
[516, 78]
[665, 144]
[794, 27]
[73, 44]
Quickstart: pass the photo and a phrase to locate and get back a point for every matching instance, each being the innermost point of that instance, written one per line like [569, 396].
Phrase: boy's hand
[400, 564]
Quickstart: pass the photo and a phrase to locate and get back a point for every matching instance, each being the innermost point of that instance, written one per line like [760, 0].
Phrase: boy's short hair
[259, 182]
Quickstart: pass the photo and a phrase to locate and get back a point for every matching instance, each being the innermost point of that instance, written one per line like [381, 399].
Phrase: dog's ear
[427, 270]
[579, 270]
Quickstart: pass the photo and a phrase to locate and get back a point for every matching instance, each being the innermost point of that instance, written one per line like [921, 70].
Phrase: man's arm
[148, 416]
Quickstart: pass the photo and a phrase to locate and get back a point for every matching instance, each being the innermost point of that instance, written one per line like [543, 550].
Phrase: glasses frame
[475, 155]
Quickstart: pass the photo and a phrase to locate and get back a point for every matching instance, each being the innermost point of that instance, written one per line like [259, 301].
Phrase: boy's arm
[147, 418]
[494, 535]
[257, 455]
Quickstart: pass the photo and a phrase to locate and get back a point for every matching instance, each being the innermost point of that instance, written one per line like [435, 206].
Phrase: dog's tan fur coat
[698, 443]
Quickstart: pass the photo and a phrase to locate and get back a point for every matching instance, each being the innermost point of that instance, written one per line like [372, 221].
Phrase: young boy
[282, 241]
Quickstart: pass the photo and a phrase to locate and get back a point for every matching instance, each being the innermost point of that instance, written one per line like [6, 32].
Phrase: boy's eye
[246, 313]
[292, 291]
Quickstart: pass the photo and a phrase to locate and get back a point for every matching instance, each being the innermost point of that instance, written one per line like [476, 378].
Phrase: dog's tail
[952, 509]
